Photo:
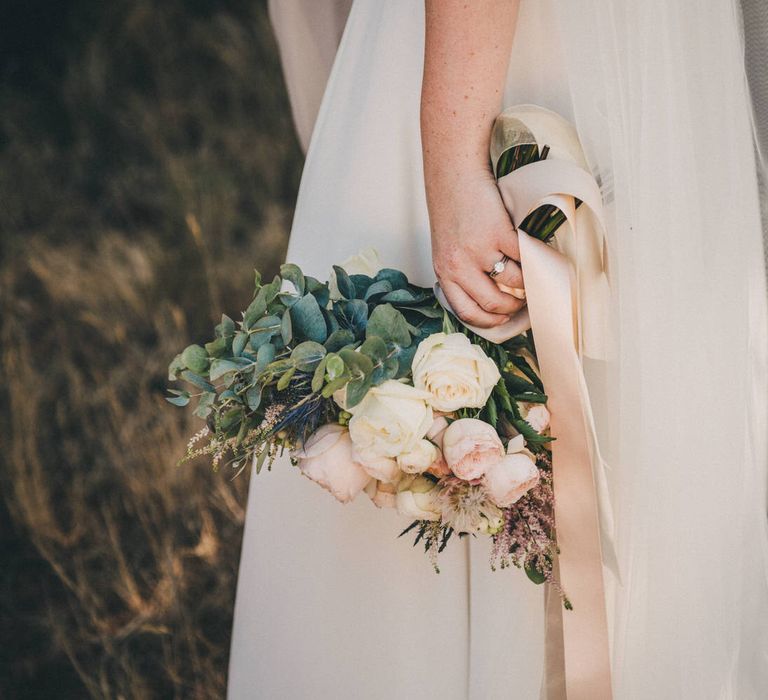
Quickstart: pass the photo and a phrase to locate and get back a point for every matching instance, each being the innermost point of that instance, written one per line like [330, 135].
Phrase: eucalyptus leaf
[286, 329]
[263, 330]
[195, 358]
[221, 367]
[405, 360]
[256, 309]
[253, 397]
[238, 343]
[428, 311]
[344, 283]
[396, 278]
[319, 290]
[361, 282]
[352, 315]
[360, 369]
[357, 389]
[285, 380]
[264, 356]
[375, 348]
[307, 355]
[334, 366]
[378, 289]
[226, 327]
[318, 378]
[339, 339]
[389, 324]
[205, 404]
[178, 400]
[196, 379]
[217, 347]
[333, 386]
[404, 296]
[294, 275]
[175, 368]
[307, 319]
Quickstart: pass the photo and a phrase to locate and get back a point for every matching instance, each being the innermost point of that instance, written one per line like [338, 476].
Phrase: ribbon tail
[549, 284]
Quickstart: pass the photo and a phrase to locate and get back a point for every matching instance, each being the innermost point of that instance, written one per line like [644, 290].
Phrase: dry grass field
[147, 164]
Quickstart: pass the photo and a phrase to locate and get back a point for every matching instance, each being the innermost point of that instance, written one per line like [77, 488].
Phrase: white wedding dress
[330, 603]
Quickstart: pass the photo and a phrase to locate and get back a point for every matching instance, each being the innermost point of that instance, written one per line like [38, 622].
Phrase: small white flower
[417, 498]
[419, 459]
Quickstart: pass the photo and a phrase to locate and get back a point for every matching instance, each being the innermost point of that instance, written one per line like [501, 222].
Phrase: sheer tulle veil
[661, 104]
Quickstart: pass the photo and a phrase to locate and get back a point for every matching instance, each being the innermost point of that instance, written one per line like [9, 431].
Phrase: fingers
[467, 309]
[487, 294]
[512, 275]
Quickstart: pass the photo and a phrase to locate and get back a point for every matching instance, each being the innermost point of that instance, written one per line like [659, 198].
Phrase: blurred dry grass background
[147, 163]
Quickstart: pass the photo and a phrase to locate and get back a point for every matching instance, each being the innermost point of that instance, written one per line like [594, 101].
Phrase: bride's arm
[467, 50]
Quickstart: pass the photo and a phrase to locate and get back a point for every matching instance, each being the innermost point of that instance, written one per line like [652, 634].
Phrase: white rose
[456, 373]
[389, 421]
[419, 459]
[327, 459]
[417, 498]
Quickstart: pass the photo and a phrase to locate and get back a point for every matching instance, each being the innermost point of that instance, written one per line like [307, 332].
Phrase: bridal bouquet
[372, 387]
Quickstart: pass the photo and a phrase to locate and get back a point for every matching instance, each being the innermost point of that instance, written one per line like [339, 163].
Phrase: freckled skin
[465, 67]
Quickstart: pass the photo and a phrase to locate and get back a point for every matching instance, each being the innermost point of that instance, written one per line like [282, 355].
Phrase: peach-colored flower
[439, 466]
[384, 469]
[470, 447]
[327, 459]
[383, 495]
[511, 478]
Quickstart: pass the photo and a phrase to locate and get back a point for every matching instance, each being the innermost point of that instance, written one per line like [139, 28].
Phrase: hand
[471, 231]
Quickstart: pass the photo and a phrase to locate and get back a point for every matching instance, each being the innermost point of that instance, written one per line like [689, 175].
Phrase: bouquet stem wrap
[567, 311]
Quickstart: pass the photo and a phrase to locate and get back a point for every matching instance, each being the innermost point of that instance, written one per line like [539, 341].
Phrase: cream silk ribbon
[558, 296]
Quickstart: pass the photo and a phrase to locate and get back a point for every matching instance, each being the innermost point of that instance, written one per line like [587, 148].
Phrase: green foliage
[295, 347]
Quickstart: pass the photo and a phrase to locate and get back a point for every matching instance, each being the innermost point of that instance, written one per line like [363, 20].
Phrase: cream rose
[383, 495]
[471, 447]
[384, 469]
[417, 498]
[511, 478]
[419, 459]
[327, 459]
[536, 414]
[456, 373]
[389, 421]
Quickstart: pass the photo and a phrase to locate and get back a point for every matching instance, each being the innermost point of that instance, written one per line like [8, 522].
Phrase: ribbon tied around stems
[567, 310]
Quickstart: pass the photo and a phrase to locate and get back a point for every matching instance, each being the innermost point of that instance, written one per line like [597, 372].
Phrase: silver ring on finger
[499, 267]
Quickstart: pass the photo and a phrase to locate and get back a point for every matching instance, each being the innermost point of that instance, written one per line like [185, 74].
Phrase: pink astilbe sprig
[527, 538]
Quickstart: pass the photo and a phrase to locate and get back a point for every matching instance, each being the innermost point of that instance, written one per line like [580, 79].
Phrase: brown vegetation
[146, 165]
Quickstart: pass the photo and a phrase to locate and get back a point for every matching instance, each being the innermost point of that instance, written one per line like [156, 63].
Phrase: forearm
[467, 50]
